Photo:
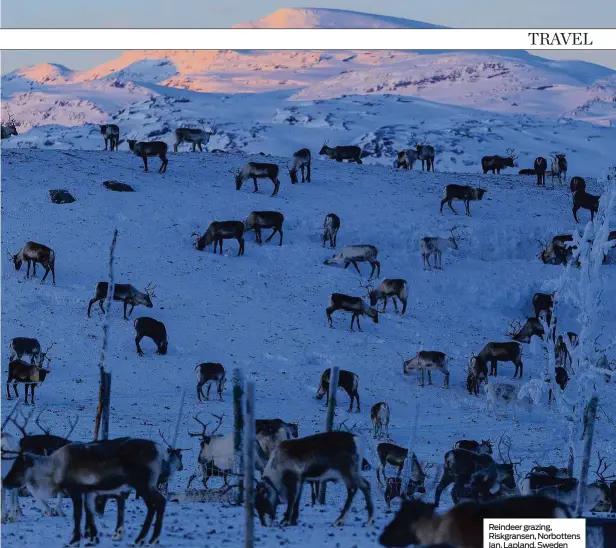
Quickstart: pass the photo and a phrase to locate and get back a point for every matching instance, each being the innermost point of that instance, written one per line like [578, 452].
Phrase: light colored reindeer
[434, 246]
[353, 254]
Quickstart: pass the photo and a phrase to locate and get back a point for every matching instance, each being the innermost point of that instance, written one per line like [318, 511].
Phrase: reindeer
[339, 153]
[264, 219]
[353, 254]
[35, 253]
[339, 456]
[197, 137]
[561, 378]
[561, 351]
[379, 414]
[483, 447]
[583, 200]
[558, 252]
[145, 150]
[347, 380]
[467, 194]
[153, 329]
[219, 231]
[428, 360]
[355, 305]
[496, 163]
[9, 129]
[406, 159]
[271, 432]
[506, 393]
[544, 303]
[207, 373]
[577, 183]
[390, 288]
[111, 133]
[330, 229]
[431, 245]
[102, 467]
[257, 170]
[301, 160]
[495, 352]
[559, 168]
[462, 526]
[477, 373]
[524, 333]
[29, 374]
[394, 455]
[20, 346]
[425, 153]
[541, 166]
[125, 293]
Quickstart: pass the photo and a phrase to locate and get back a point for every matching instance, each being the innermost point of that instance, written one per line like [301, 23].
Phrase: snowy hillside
[265, 311]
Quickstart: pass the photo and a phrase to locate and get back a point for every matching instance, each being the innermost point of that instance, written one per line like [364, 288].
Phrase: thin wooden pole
[179, 420]
[334, 373]
[589, 420]
[238, 430]
[249, 465]
[106, 404]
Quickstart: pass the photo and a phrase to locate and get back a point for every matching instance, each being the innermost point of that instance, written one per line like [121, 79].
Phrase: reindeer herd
[91, 473]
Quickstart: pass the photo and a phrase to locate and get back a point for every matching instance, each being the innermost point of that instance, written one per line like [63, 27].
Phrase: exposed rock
[60, 196]
[118, 186]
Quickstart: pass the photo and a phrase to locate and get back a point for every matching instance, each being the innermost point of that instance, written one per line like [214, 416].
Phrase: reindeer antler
[22, 428]
[36, 421]
[515, 326]
[219, 417]
[602, 468]
[204, 425]
[160, 432]
[150, 290]
[72, 425]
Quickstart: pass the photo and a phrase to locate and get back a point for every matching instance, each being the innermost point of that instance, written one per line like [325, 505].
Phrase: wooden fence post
[106, 404]
[589, 427]
[249, 465]
[334, 373]
[238, 430]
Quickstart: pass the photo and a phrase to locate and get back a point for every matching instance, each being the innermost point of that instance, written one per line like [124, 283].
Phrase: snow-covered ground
[265, 311]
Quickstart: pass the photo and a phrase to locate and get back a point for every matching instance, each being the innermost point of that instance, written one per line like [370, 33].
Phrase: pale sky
[202, 14]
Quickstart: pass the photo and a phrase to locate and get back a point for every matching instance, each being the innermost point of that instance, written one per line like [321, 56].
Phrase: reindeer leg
[352, 321]
[272, 235]
[119, 531]
[254, 180]
[357, 401]
[258, 234]
[207, 396]
[137, 341]
[358, 326]
[329, 311]
[145, 162]
[91, 531]
[385, 304]
[395, 304]
[575, 210]
[450, 204]
[77, 511]
[47, 269]
[364, 486]
[429, 377]
[351, 490]
[148, 497]
[220, 245]
[445, 482]
[159, 507]
[292, 491]
[354, 263]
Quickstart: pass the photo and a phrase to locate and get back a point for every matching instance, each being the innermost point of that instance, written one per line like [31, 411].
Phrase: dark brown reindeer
[583, 200]
[325, 456]
[219, 231]
[544, 302]
[21, 346]
[477, 373]
[496, 163]
[577, 183]
[301, 160]
[479, 447]
[467, 194]
[541, 166]
[264, 219]
[339, 153]
[390, 288]
[425, 153]
[111, 134]
[30, 375]
[145, 150]
[561, 378]
[257, 170]
[8, 129]
[558, 252]
[125, 293]
[355, 305]
[524, 333]
[330, 229]
[561, 351]
[495, 352]
[207, 373]
[394, 455]
[153, 329]
[36, 253]
[428, 360]
[347, 380]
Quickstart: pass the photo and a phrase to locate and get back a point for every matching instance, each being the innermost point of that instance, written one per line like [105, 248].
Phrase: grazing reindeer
[257, 170]
[301, 160]
[390, 288]
[206, 374]
[328, 456]
[544, 302]
[348, 381]
[495, 352]
[111, 133]
[467, 194]
[394, 455]
[425, 153]
[393, 489]
[339, 153]
[577, 183]
[506, 393]
[428, 360]
[524, 333]
[541, 166]
[264, 219]
[154, 148]
[406, 158]
[219, 231]
[125, 293]
[355, 305]
[20, 346]
[558, 252]
[197, 137]
[477, 373]
[561, 351]
[353, 254]
[380, 419]
[559, 168]
[496, 163]
[330, 229]
[431, 245]
[153, 329]
[583, 200]
[103, 467]
[36, 253]
[8, 129]
[30, 375]
[462, 526]
[480, 447]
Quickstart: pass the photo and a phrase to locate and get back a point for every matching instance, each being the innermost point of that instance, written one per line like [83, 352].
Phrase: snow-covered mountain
[266, 100]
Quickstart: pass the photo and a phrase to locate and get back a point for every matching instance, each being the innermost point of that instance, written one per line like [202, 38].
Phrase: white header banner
[308, 39]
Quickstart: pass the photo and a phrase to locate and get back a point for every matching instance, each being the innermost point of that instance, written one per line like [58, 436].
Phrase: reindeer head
[103, 129]
[544, 254]
[131, 144]
[413, 514]
[205, 437]
[149, 295]
[11, 125]
[324, 148]
[511, 159]
[16, 258]
[515, 326]
[267, 500]
[292, 174]
[174, 456]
